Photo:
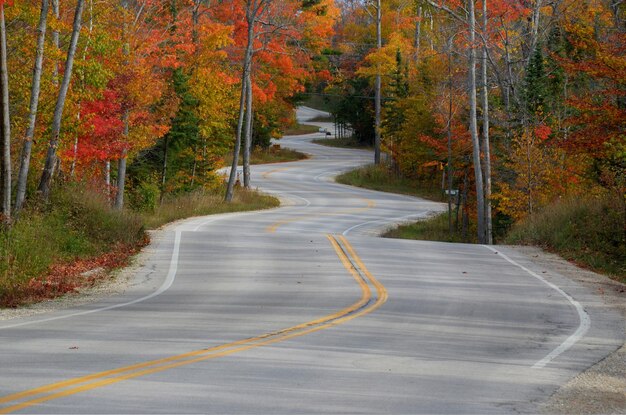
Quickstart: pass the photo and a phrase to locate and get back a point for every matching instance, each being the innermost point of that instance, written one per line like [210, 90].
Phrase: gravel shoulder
[601, 389]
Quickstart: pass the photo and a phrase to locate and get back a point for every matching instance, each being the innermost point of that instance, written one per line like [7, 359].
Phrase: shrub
[145, 197]
[590, 231]
[75, 225]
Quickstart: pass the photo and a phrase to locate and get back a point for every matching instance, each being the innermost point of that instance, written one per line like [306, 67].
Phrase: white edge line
[584, 319]
[169, 280]
[415, 215]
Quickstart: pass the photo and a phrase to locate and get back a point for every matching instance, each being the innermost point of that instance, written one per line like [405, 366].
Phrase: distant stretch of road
[303, 309]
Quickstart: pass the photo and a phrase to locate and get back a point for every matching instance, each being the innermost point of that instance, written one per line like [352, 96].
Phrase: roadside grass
[323, 118]
[346, 142]
[431, 229]
[588, 231]
[74, 240]
[61, 238]
[206, 203]
[274, 154]
[381, 179]
[301, 129]
[319, 102]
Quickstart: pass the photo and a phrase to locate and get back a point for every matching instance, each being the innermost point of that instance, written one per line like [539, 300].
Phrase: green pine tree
[536, 88]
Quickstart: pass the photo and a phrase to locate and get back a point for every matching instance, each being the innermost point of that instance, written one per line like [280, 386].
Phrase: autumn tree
[51, 157]
[33, 108]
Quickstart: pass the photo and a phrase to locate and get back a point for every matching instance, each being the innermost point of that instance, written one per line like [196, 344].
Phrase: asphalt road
[302, 310]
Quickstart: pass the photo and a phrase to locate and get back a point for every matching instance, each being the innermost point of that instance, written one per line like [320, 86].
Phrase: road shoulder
[601, 389]
[116, 282]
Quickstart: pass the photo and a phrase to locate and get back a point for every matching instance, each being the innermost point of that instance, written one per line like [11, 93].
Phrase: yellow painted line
[380, 288]
[274, 226]
[97, 380]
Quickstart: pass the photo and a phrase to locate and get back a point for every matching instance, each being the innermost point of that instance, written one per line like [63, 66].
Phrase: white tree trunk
[6, 124]
[378, 86]
[121, 167]
[248, 137]
[55, 41]
[486, 145]
[121, 164]
[51, 157]
[478, 173]
[251, 10]
[22, 177]
[107, 174]
[121, 181]
[417, 42]
[449, 136]
[534, 29]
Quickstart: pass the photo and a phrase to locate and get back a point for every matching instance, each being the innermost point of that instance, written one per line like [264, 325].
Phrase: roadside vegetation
[300, 129]
[343, 142]
[431, 229]
[589, 231]
[272, 154]
[319, 102]
[77, 238]
[382, 179]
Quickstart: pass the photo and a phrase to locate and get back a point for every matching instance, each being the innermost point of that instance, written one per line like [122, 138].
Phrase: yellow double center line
[364, 305]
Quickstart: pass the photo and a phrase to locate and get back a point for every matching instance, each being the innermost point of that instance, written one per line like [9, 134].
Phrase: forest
[514, 109]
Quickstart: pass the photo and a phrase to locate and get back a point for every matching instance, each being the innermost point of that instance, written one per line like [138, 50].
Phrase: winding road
[302, 309]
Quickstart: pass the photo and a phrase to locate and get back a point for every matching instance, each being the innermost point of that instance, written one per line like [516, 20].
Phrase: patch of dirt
[602, 388]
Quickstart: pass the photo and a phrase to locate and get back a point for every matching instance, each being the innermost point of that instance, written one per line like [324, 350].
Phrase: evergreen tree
[355, 108]
[535, 85]
[399, 90]
[173, 159]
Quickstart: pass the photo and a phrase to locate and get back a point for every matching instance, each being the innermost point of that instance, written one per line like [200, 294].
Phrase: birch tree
[478, 173]
[6, 122]
[470, 20]
[378, 86]
[485, 139]
[253, 9]
[377, 16]
[51, 157]
[248, 137]
[32, 114]
[121, 163]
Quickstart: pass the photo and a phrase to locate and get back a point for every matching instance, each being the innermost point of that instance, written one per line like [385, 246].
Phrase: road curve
[301, 309]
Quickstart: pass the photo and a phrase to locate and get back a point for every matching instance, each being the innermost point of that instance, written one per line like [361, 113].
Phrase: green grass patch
[432, 229]
[301, 129]
[323, 118]
[381, 179]
[320, 102]
[74, 226]
[203, 203]
[588, 231]
[274, 154]
[346, 142]
[48, 250]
